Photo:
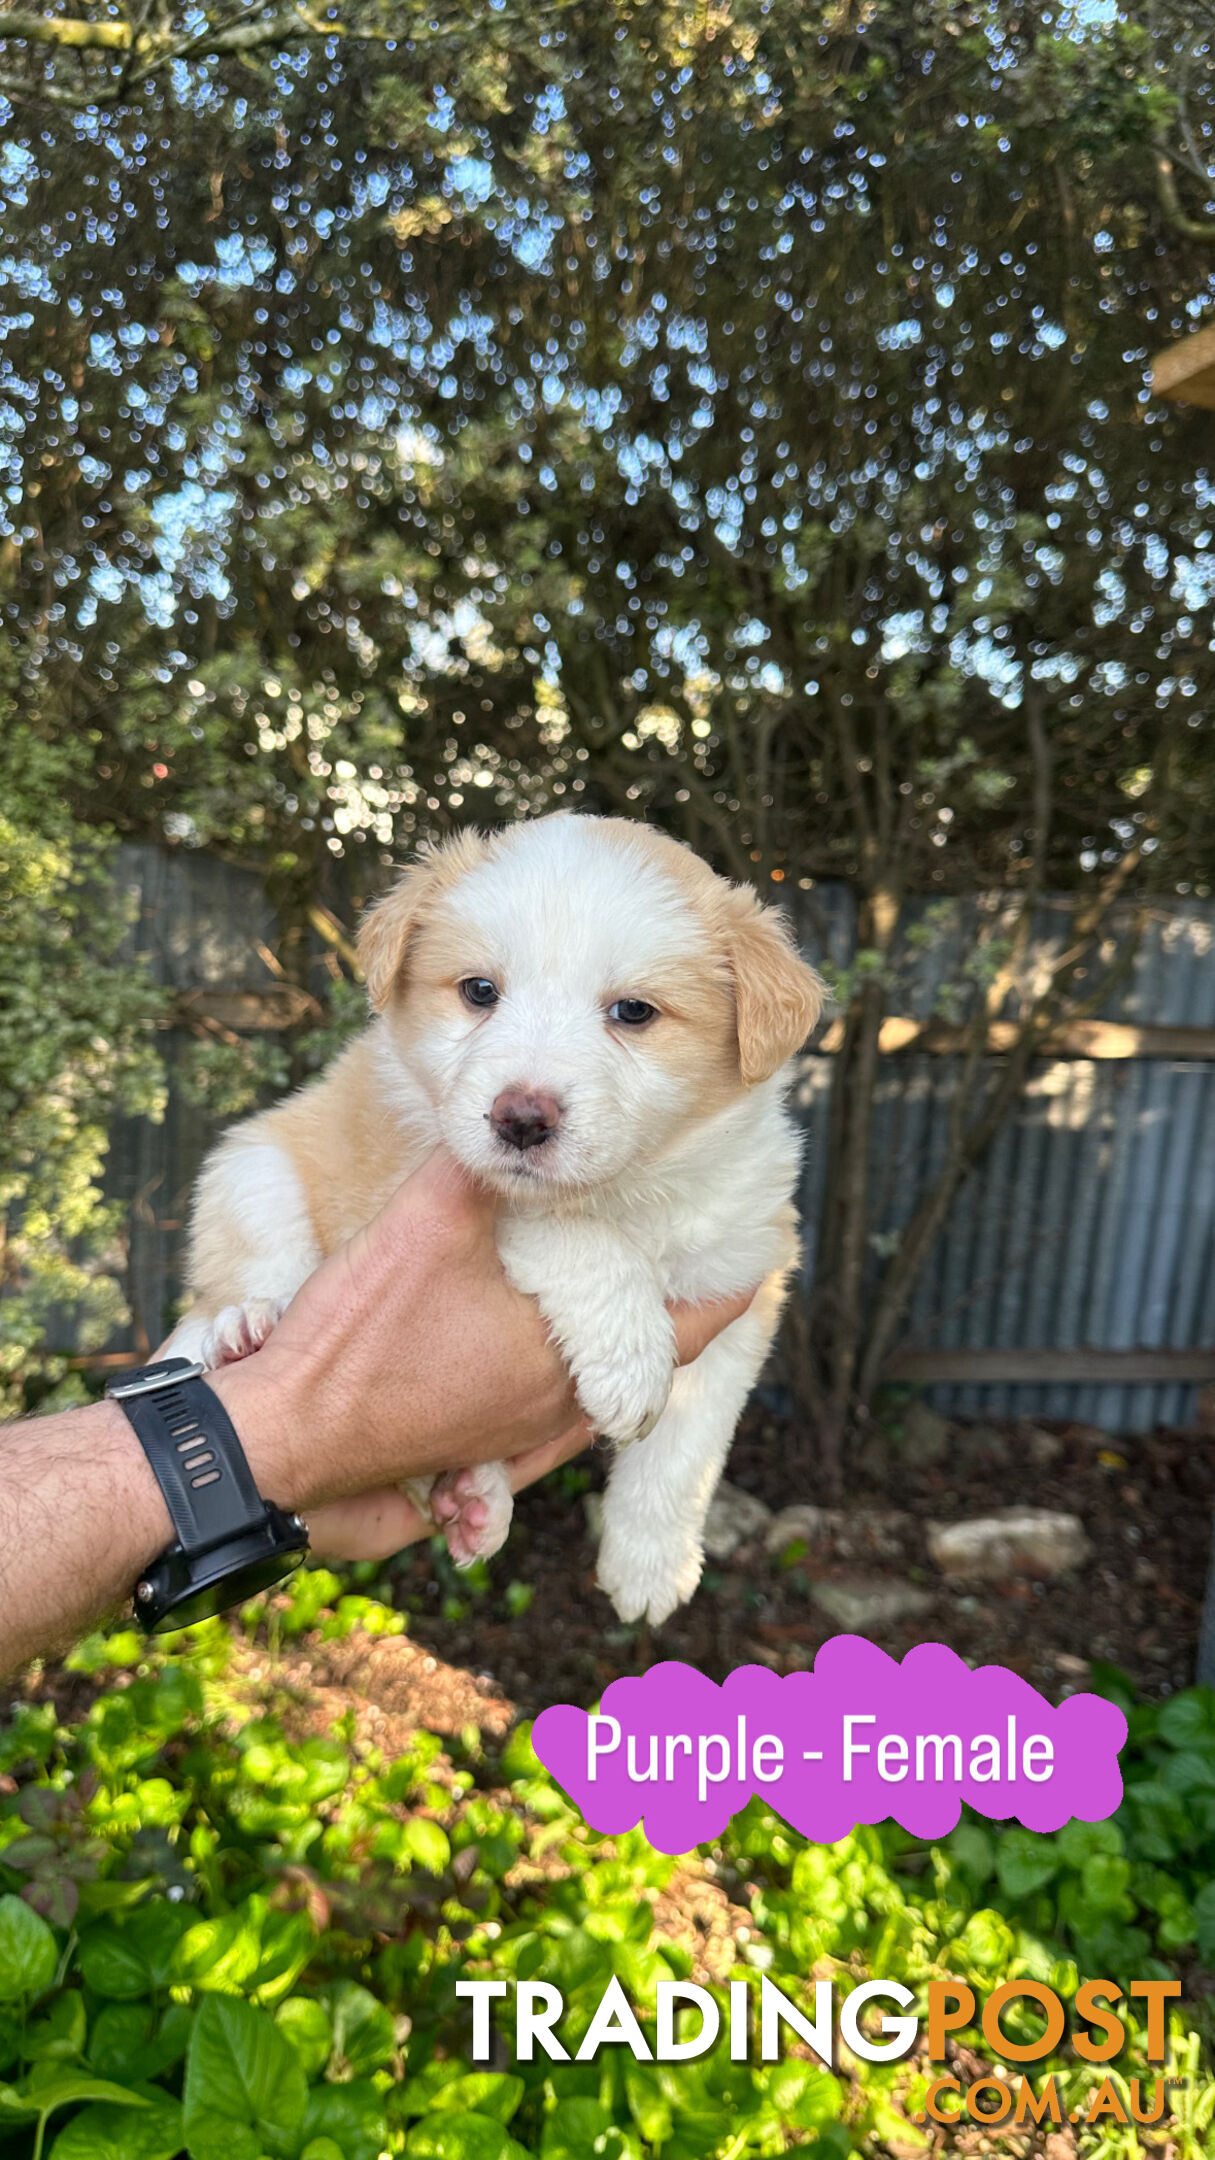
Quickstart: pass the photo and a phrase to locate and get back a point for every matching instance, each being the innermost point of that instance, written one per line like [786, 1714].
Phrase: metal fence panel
[1090, 1224]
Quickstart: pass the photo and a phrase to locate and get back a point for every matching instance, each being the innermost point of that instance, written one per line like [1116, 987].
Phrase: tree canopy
[735, 416]
[727, 415]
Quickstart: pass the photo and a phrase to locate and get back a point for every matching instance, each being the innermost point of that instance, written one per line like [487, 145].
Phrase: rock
[880, 1531]
[734, 1518]
[1013, 1541]
[868, 1601]
[1044, 1448]
[920, 1436]
[801, 1521]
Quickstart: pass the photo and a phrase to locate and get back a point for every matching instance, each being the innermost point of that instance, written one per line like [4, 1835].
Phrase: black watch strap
[195, 1453]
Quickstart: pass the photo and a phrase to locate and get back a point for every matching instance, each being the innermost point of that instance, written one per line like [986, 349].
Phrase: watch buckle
[118, 1390]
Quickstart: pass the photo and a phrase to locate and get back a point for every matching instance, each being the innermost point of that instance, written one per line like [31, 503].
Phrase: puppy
[598, 1027]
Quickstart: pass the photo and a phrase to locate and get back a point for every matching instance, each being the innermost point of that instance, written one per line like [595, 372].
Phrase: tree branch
[1170, 201]
[156, 49]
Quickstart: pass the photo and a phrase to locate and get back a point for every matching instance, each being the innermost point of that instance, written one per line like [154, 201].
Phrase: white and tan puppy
[598, 1027]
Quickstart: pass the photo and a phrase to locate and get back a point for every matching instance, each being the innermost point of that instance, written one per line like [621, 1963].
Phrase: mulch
[1146, 1502]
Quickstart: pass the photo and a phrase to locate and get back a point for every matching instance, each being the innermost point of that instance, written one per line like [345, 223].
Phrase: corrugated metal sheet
[198, 922]
[1091, 1223]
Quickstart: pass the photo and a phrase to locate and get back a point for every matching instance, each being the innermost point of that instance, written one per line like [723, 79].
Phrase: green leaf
[804, 2096]
[1188, 1720]
[1105, 1880]
[574, 2129]
[29, 1958]
[972, 1852]
[1078, 1842]
[1025, 1862]
[106, 2132]
[60, 2034]
[519, 1758]
[223, 1953]
[129, 1958]
[426, 1842]
[467, 2137]
[128, 2041]
[363, 2032]
[322, 2148]
[987, 1943]
[307, 2025]
[482, 2092]
[245, 2093]
[48, 2087]
[648, 2104]
[353, 2115]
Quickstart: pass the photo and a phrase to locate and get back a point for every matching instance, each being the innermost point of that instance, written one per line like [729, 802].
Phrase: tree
[76, 1048]
[738, 420]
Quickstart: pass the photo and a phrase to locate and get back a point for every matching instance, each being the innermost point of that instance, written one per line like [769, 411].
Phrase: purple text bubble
[861, 1738]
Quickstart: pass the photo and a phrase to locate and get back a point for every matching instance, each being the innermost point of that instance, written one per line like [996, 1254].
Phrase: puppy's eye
[479, 990]
[632, 1012]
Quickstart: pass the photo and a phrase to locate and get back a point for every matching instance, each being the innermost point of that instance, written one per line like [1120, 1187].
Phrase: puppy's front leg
[654, 1509]
[603, 1302]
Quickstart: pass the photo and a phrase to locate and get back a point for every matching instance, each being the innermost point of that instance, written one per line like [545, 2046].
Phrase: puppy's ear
[389, 923]
[777, 996]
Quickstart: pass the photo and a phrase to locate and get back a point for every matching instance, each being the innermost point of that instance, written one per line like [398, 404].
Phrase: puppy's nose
[524, 1118]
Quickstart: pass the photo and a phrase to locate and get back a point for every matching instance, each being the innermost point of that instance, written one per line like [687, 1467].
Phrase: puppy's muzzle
[525, 1118]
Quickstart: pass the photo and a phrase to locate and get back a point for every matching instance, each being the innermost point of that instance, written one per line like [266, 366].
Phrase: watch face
[226, 1588]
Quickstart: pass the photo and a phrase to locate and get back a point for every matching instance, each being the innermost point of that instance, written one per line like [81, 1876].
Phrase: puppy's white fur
[670, 1174]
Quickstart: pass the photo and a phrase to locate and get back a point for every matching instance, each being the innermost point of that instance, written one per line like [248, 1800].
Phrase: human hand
[408, 1353]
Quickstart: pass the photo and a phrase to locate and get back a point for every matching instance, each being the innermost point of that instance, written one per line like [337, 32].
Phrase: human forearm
[80, 1517]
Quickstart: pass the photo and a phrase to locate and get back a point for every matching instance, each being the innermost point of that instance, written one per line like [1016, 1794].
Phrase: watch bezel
[179, 1590]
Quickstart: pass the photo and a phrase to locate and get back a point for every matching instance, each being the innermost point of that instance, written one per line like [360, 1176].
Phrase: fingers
[697, 1325]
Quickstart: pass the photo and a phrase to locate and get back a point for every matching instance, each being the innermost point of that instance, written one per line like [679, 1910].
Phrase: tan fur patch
[777, 996]
[389, 924]
[349, 1151]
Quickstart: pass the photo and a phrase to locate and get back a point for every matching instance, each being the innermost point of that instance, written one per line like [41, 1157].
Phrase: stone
[1044, 1447]
[734, 1518]
[1075, 1668]
[881, 1531]
[1013, 1541]
[920, 1436]
[868, 1601]
[800, 1521]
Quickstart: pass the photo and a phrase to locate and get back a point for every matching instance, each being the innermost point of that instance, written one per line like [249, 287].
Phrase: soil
[1146, 1503]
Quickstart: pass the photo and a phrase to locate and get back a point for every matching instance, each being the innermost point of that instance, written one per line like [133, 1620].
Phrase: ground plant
[227, 1933]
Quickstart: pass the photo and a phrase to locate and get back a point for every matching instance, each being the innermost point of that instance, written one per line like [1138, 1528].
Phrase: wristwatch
[230, 1542]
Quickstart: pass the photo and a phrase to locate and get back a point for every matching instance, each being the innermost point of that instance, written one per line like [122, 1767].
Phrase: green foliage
[76, 1047]
[275, 1981]
[696, 415]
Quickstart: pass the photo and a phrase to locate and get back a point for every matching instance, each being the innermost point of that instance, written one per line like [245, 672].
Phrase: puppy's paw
[239, 1330]
[623, 1396]
[473, 1509]
[645, 1577]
